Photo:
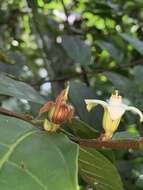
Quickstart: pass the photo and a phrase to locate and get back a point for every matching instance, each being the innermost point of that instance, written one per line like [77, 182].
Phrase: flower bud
[58, 112]
[61, 113]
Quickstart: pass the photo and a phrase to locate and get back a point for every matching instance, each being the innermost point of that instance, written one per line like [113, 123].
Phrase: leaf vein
[13, 146]
[28, 172]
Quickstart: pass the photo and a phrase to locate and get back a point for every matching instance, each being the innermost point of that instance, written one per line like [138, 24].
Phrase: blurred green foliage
[95, 45]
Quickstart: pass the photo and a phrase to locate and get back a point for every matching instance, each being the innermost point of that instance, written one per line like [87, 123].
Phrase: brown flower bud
[59, 111]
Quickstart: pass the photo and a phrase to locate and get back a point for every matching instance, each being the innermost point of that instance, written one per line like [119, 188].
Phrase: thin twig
[87, 73]
[85, 76]
[25, 117]
[65, 9]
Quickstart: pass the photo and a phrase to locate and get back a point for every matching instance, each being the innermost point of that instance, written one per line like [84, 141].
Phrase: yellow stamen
[116, 93]
[115, 97]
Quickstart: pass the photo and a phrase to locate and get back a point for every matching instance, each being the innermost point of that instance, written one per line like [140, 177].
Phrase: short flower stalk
[114, 109]
[58, 112]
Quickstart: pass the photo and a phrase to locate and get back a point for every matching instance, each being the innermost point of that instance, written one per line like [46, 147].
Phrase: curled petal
[136, 111]
[92, 103]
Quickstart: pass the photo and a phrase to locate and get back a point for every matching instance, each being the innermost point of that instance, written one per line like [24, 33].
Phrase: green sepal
[49, 126]
[109, 125]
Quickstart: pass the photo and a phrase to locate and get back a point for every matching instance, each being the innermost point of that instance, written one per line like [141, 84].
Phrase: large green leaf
[79, 92]
[135, 42]
[18, 89]
[98, 171]
[31, 159]
[77, 49]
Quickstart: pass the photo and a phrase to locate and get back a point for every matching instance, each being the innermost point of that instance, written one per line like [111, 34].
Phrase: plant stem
[112, 144]
[90, 143]
[25, 117]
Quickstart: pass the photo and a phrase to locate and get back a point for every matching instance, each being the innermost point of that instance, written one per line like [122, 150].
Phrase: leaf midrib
[13, 146]
[64, 161]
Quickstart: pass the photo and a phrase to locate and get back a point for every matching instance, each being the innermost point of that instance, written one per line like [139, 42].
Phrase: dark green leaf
[79, 92]
[135, 42]
[18, 89]
[31, 159]
[132, 90]
[82, 129]
[13, 69]
[122, 83]
[77, 49]
[114, 52]
[138, 73]
[98, 171]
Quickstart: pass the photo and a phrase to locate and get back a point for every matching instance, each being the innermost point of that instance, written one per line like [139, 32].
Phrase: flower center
[115, 98]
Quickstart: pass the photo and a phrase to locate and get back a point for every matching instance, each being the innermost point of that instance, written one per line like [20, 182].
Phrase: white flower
[113, 111]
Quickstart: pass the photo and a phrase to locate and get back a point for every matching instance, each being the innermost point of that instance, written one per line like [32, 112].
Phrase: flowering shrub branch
[97, 144]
